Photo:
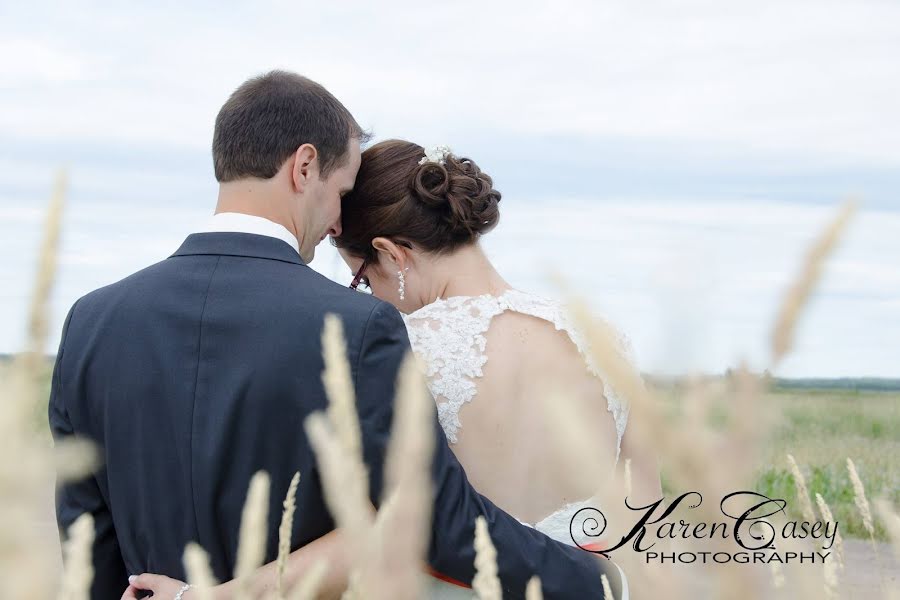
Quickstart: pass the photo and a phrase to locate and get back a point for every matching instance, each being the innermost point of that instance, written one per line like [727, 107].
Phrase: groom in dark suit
[196, 372]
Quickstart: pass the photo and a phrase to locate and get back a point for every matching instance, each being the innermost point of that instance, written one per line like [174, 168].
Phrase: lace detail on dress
[449, 336]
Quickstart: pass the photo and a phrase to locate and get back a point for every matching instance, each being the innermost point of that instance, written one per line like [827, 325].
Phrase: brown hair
[268, 117]
[436, 207]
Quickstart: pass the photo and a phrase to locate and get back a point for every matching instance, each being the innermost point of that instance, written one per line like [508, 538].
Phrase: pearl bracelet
[181, 592]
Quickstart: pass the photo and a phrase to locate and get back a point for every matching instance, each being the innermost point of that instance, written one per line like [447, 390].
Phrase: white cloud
[807, 77]
[31, 62]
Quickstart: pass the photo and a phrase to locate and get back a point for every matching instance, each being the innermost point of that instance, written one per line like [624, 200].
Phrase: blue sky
[672, 163]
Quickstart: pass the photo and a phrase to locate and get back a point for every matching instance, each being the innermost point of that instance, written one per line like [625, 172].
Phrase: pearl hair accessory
[436, 154]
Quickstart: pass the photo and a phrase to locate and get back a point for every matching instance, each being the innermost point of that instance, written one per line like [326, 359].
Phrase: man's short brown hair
[268, 117]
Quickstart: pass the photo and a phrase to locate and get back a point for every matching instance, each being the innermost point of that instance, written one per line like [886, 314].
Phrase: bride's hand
[162, 587]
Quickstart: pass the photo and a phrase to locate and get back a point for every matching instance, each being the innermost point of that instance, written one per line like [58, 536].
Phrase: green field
[822, 428]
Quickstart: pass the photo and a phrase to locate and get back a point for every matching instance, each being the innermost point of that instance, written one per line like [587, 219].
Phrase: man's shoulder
[139, 280]
[353, 307]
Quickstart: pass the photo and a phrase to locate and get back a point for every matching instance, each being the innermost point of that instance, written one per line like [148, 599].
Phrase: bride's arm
[331, 548]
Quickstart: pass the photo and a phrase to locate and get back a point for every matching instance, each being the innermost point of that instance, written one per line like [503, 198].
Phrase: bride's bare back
[496, 365]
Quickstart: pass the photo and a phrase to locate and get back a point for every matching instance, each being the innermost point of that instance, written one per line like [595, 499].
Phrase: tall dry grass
[693, 455]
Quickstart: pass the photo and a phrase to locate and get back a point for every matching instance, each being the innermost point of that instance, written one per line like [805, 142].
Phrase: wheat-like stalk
[401, 533]
[199, 573]
[533, 589]
[607, 589]
[75, 458]
[339, 385]
[830, 568]
[28, 561]
[343, 477]
[859, 498]
[411, 444]
[284, 532]
[252, 538]
[46, 272]
[829, 518]
[27, 367]
[802, 288]
[79, 570]
[486, 584]
[802, 493]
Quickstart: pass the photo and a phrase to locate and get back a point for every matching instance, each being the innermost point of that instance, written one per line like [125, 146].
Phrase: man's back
[192, 375]
[197, 372]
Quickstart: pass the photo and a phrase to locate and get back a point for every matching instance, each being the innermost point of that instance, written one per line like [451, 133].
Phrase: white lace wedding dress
[449, 335]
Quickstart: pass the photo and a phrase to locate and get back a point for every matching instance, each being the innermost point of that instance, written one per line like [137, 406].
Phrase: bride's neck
[467, 272]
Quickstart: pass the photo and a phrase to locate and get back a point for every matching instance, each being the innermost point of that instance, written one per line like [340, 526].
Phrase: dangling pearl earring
[402, 279]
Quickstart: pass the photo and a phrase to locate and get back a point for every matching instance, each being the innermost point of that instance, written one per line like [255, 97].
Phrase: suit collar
[249, 245]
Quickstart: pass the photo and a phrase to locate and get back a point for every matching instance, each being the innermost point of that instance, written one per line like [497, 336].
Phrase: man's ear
[305, 167]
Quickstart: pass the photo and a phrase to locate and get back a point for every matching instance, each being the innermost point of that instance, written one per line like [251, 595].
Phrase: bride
[410, 231]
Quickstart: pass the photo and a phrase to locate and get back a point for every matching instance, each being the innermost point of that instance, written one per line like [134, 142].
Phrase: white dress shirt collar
[229, 222]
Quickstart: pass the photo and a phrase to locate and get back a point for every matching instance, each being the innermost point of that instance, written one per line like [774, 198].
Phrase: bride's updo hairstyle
[435, 207]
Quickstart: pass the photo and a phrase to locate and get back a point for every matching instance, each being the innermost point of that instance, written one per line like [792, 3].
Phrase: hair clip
[436, 154]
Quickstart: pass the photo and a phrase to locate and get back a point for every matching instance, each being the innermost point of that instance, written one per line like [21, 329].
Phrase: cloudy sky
[672, 161]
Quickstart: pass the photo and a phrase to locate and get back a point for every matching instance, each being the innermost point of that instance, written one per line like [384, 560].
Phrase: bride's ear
[391, 253]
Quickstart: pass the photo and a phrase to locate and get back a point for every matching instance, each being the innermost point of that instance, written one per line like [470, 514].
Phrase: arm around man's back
[521, 552]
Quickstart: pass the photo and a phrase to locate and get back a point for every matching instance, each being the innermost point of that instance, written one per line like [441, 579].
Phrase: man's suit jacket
[198, 371]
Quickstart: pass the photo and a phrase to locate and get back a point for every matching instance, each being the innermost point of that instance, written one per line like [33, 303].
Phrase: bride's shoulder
[564, 319]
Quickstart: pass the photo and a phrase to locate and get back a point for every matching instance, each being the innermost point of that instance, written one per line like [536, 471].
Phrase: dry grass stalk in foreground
[391, 549]
[336, 440]
[802, 492]
[803, 286]
[533, 589]
[199, 573]
[46, 276]
[486, 584]
[343, 482]
[339, 386]
[825, 511]
[831, 567]
[28, 561]
[862, 503]
[76, 584]
[284, 532]
[607, 590]
[252, 540]
[403, 524]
